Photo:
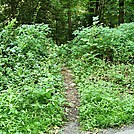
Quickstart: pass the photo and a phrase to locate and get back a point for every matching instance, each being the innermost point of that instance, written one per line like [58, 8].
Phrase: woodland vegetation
[94, 38]
[66, 16]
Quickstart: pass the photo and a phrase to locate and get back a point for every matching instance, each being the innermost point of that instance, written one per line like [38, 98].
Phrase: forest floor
[71, 108]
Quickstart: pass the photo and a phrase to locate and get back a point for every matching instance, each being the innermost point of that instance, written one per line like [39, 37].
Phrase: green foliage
[58, 14]
[31, 91]
[102, 62]
[103, 107]
[109, 44]
[106, 91]
[106, 95]
[31, 97]
[129, 14]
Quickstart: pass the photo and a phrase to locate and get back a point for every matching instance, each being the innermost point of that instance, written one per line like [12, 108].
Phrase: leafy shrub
[31, 97]
[110, 44]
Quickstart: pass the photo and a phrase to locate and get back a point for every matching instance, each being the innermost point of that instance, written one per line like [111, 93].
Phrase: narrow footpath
[72, 126]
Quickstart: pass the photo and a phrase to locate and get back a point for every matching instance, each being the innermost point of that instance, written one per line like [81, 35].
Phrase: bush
[31, 88]
[109, 44]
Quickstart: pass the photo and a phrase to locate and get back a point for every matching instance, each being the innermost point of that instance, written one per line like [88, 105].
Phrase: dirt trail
[72, 127]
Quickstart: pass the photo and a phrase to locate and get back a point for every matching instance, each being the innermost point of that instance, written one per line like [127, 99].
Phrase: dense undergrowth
[31, 97]
[31, 90]
[102, 61]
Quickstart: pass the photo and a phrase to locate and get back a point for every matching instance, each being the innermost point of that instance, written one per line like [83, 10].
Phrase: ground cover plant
[31, 97]
[102, 61]
[106, 95]
[31, 85]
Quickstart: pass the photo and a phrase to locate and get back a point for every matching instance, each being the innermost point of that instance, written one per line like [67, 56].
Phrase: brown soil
[72, 126]
[71, 95]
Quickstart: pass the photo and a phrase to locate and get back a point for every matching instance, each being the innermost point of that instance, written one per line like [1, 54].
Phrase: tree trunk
[97, 8]
[121, 11]
[90, 13]
[69, 22]
[13, 6]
